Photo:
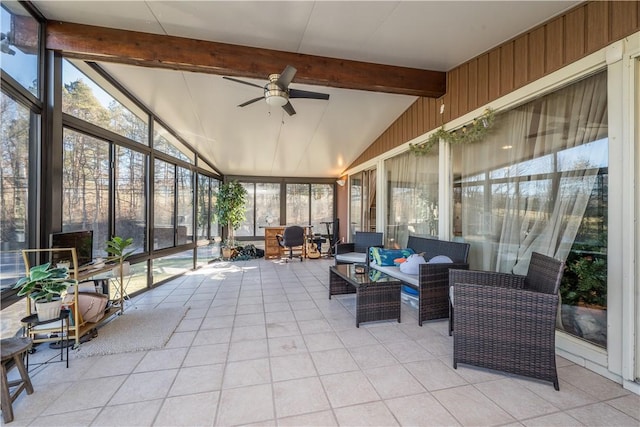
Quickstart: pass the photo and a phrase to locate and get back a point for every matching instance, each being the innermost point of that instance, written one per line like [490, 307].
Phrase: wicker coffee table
[377, 295]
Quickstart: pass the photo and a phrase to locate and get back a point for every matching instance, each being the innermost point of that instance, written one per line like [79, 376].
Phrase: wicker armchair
[505, 321]
[358, 250]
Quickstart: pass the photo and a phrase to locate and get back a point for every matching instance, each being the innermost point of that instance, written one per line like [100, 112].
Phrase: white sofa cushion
[352, 257]
[395, 272]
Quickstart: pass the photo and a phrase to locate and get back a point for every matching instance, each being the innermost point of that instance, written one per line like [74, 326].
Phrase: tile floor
[263, 345]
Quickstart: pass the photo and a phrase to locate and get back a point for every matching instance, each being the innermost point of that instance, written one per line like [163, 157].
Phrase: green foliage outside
[585, 277]
[230, 206]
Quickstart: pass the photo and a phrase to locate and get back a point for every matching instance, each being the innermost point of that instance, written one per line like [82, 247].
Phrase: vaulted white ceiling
[324, 137]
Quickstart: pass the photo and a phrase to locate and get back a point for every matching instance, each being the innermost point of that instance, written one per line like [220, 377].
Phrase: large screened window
[298, 204]
[20, 46]
[131, 196]
[185, 206]
[248, 226]
[86, 98]
[267, 206]
[85, 187]
[165, 142]
[163, 204]
[538, 183]
[18, 126]
[412, 201]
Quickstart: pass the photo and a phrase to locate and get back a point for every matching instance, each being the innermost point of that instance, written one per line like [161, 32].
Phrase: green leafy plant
[44, 282]
[476, 131]
[116, 248]
[230, 206]
[584, 280]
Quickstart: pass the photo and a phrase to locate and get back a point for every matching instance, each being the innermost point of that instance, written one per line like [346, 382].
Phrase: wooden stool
[13, 351]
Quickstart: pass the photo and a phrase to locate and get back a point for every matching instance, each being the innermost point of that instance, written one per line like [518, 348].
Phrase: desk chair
[292, 237]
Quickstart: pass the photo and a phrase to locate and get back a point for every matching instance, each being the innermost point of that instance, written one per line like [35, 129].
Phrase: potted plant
[230, 210]
[44, 285]
[116, 248]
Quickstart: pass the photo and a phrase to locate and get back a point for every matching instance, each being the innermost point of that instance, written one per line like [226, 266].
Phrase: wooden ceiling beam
[182, 54]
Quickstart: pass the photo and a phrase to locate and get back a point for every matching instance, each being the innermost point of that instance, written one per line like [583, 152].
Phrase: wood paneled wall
[522, 60]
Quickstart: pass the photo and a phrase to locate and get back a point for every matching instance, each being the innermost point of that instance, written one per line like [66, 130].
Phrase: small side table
[13, 350]
[30, 322]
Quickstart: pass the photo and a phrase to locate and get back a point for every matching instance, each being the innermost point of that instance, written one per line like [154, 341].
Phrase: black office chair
[292, 237]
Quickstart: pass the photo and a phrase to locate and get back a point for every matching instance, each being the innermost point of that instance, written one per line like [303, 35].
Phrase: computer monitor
[81, 240]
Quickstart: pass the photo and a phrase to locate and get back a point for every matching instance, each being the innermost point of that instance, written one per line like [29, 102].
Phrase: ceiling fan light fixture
[276, 98]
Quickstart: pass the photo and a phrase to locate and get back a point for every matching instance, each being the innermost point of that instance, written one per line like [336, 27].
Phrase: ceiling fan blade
[286, 77]
[242, 81]
[251, 101]
[289, 108]
[295, 93]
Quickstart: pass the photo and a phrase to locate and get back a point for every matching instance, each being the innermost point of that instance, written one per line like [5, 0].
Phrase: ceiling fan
[277, 92]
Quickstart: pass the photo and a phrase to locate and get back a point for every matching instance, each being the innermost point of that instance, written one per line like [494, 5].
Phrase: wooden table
[271, 247]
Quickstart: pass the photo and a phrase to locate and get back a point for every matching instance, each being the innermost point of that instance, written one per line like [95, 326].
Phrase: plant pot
[48, 310]
[126, 269]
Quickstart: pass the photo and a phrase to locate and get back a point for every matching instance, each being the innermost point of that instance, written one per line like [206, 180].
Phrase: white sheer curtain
[525, 188]
[412, 202]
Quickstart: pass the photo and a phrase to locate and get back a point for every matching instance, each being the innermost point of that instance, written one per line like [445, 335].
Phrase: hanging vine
[474, 132]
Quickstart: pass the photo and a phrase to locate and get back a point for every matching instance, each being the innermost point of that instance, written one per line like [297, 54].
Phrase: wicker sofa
[432, 281]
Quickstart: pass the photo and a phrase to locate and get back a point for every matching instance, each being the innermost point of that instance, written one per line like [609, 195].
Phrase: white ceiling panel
[324, 137]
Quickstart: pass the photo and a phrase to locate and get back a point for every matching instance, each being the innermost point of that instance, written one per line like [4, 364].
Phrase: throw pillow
[440, 259]
[385, 257]
[412, 264]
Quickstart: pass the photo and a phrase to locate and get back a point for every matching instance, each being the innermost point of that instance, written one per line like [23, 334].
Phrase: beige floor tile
[596, 385]
[217, 321]
[527, 405]
[357, 337]
[246, 372]
[387, 333]
[629, 404]
[568, 397]
[393, 381]
[248, 319]
[601, 414]
[474, 374]
[302, 314]
[192, 410]
[368, 414]
[252, 332]
[206, 354]
[434, 375]
[282, 329]
[27, 407]
[245, 405]
[77, 418]
[245, 350]
[372, 356]
[212, 336]
[323, 341]
[420, 410]
[197, 379]
[348, 388]
[130, 414]
[91, 393]
[323, 418]
[114, 364]
[284, 346]
[292, 367]
[334, 361]
[162, 359]
[314, 326]
[407, 351]
[300, 396]
[470, 407]
[559, 419]
[181, 339]
[144, 386]
[438, 345]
